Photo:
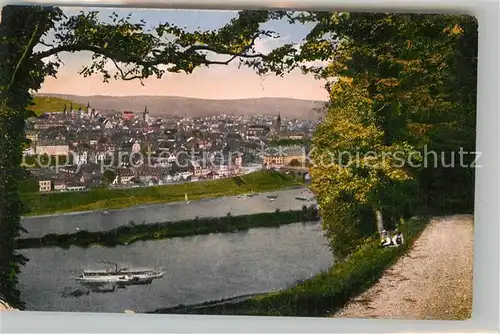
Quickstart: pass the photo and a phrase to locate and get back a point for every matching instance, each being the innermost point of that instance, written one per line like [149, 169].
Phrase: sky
[215, 82]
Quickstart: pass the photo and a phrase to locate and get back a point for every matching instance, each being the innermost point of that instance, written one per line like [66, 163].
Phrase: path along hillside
[433, 281]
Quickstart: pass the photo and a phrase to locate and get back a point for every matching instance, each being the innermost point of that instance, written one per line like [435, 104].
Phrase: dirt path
[433, 281]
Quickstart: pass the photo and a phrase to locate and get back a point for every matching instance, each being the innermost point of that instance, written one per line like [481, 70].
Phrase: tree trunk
[10, 204]
[18, 33]
[380, 221]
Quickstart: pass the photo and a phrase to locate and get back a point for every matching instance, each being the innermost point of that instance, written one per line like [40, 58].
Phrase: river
[95, 221]
[197, 269]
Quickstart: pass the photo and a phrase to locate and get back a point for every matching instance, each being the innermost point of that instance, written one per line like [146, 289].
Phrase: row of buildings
[140, 150]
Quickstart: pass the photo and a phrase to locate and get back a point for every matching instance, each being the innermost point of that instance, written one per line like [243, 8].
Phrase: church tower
[90, 112]
[278, 124]
[145, 115]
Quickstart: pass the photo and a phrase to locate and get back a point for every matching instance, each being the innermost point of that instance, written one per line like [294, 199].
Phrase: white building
[80, 158]
[45, 185]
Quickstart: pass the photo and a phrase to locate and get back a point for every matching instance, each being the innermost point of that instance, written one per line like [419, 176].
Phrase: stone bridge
[296, 171]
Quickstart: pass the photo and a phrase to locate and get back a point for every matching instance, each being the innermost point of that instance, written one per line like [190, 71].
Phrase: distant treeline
[127, 234]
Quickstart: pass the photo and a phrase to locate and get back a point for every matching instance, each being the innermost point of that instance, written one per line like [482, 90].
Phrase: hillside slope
[181, 106]
[53, 104]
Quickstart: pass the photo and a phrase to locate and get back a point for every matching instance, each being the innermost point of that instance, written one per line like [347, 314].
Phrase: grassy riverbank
[131, 233]
[322, 294]
[106, 199]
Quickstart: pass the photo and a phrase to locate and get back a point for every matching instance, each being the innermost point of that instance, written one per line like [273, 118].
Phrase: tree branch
[25, 55]
[123, 75]
[158, 60]
[242, 53]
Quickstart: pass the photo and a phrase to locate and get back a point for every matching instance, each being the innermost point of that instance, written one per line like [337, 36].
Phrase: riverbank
[99, 221]
[321, 295]
[128, 234]
[107, 199]
[433, 281]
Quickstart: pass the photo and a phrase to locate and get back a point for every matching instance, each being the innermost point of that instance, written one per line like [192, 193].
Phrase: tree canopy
[404, 84]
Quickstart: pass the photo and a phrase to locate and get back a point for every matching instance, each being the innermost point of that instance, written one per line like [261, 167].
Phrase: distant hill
[53, 104]
[182, 106]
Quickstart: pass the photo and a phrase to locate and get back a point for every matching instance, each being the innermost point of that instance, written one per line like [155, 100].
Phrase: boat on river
[272, 197]
[119, 276]
[299, 198]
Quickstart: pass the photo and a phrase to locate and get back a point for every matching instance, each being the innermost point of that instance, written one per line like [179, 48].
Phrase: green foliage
[350, 175]
[28, 185]
[345, 227]
[126, 235]
[138, 52]
[17, 77]
[104, 199]
[108, 176]
[397, 94]
[44, 104]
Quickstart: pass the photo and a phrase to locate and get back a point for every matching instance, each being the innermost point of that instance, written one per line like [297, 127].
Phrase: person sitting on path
[398, 238]
[386, 239]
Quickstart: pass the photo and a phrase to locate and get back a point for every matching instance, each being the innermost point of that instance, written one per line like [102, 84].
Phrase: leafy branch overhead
[136, 52]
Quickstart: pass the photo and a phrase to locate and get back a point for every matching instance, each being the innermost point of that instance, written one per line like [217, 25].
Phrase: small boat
[301, 198]
[105, 212]
[272, 196]
[119, 276]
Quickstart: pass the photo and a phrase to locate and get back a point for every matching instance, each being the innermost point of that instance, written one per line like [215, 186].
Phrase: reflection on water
[197, 269]
[85, 290]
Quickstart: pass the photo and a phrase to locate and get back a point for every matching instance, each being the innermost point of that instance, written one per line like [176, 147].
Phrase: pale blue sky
[224, 82]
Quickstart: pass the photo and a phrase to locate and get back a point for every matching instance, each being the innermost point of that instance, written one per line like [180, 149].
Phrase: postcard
[267, 163]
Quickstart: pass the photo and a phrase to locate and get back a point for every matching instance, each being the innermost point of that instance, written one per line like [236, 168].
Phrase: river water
[197, 269]
[215, 207]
